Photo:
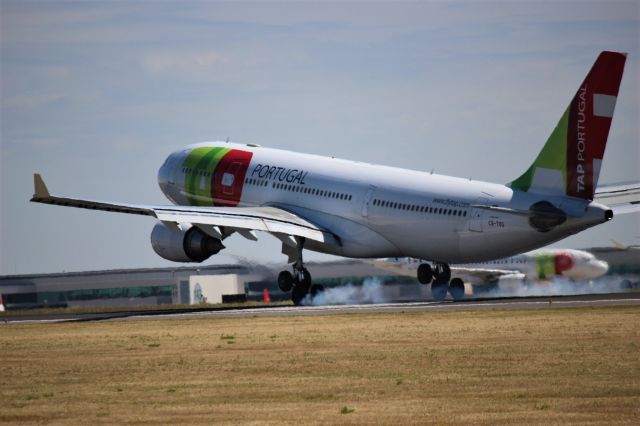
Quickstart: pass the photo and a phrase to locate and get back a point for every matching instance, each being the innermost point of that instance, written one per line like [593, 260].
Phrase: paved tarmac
[576, 301]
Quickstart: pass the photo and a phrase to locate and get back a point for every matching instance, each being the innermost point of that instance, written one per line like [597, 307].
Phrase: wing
[243, 220]
[621, 197]
[485, 275]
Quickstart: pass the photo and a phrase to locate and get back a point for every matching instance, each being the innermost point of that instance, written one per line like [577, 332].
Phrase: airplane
[533, 267]
[360, 210]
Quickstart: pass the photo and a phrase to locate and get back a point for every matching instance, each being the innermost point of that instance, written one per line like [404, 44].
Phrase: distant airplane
[623, 247]
[534, 267]
[361, 210]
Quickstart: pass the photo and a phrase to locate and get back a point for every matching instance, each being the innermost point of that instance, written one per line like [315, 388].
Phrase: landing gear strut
[442, 283]
[442, 272]
[298, 282]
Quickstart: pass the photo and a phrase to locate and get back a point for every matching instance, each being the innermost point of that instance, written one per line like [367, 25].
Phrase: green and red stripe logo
[214, 176]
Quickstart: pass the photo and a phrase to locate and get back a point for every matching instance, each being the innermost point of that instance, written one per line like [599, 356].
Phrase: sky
[95, 95]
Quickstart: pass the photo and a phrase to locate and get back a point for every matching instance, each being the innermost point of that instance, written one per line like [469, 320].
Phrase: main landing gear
[298, 282]
[440, 278]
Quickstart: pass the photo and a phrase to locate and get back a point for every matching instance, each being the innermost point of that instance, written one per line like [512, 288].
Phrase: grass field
[579, 366]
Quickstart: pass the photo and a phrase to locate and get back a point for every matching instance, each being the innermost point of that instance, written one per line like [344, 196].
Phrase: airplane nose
[599, 266]
[166, 172]
[163, 175]
[167, 177]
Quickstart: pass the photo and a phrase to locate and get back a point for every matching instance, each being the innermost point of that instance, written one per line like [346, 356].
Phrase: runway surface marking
[400, 307]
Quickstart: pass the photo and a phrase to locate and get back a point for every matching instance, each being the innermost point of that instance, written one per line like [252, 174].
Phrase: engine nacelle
[183, 245]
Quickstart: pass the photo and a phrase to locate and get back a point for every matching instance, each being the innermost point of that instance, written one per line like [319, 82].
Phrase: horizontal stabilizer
[527, 213]
[622, 198]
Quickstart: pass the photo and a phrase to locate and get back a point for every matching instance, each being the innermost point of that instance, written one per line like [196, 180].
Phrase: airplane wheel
[456, 288]
[285, 281]
[439, 290]
[425, 273]
[298, 294]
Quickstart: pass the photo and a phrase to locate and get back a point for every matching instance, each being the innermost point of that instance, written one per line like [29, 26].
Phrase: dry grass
[42, 312]
[577, 366]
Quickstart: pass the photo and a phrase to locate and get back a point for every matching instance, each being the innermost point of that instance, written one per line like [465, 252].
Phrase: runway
[574, 301]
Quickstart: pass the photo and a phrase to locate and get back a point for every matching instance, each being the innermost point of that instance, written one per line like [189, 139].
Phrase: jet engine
[183, 244]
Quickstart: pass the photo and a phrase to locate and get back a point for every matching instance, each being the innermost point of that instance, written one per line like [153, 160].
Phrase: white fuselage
[545, 264]
[536, 266]
[379, 211]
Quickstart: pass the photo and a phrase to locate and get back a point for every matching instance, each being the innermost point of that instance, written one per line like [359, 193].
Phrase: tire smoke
[560, 286]
[371, 291]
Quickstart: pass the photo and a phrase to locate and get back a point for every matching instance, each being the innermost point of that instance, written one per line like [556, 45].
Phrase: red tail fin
[590, 117]
[569, 163]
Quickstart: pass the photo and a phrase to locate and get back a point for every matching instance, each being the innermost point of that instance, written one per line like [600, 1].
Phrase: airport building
[126, 287]
[183, 285]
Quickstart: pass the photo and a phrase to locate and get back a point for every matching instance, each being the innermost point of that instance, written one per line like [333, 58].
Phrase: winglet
[40, 188]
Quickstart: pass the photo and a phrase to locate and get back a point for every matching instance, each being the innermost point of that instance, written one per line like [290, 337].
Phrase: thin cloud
[32, 100]
[182, 63]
